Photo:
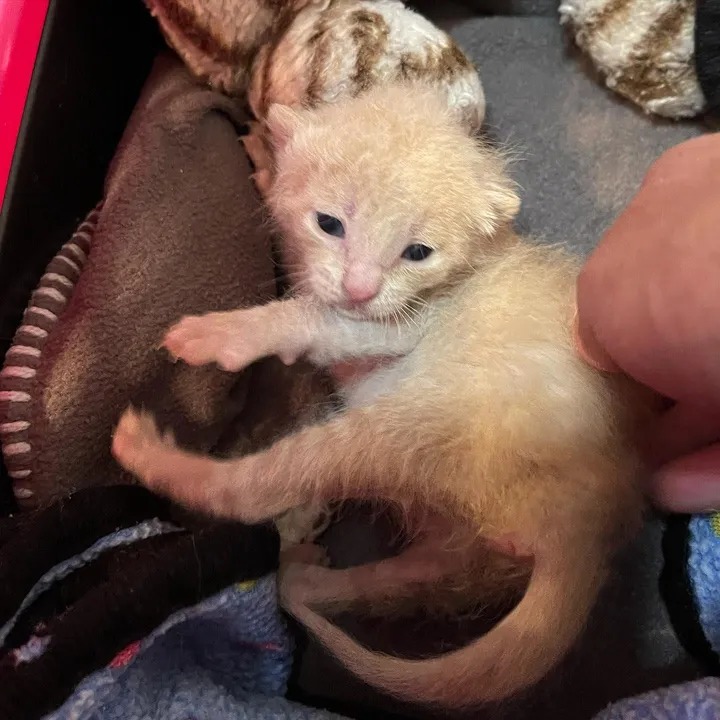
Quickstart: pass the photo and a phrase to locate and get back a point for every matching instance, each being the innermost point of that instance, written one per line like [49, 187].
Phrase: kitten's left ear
[504, 200]
[498, 197]
[281, 122]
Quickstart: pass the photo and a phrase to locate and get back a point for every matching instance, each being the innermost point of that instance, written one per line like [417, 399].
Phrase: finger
[589, 349]
[690, 484]
[679, 431]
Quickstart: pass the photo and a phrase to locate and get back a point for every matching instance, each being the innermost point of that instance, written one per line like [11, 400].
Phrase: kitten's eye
[416, 252]
[330, 225]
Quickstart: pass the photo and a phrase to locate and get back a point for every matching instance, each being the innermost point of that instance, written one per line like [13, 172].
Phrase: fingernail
[686, 492]
[589, 350]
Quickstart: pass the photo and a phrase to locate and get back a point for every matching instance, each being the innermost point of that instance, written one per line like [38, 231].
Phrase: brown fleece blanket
[180, 230]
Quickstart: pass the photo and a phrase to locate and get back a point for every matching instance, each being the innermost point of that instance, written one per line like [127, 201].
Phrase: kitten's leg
[387, 451]
[439, 556]
[428, 558]
[238, 338]
[304, 554]
[368, 587]
[300, 526]
[345, 458]
[287, 328]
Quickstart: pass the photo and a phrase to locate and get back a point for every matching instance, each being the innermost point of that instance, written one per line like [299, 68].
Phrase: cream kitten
[467, 406]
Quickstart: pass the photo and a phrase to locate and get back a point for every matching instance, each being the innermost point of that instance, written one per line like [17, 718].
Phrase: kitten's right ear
[281, 122]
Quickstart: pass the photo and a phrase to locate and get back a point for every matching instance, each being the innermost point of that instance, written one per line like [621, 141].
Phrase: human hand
[649, 305]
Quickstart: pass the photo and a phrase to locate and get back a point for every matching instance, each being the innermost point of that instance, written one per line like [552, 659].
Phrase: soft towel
[227, 658]
[699, 700]
[690, 584]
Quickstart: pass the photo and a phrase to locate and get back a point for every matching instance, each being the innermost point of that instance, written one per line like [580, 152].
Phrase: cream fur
[481, 424]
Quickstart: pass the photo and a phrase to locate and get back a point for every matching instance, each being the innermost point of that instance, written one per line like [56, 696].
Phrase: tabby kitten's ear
[216, 39]
[281, 122]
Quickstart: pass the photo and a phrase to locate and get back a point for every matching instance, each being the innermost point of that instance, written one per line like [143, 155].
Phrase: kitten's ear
[281, 123]
[505, 201]
[499, 208]
[212, 37]
[499, 202]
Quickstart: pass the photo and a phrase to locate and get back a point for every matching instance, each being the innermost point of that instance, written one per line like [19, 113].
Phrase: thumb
[679, 431]
[589, 349]
[690, 484]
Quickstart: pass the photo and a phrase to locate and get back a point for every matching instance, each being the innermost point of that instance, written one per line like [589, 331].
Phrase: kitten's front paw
[217, 337]
[137, 441]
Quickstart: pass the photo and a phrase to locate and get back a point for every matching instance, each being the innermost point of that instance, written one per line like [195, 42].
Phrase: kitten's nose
[362, 283]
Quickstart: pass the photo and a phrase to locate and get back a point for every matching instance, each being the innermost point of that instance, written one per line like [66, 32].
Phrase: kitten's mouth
[369, 311]
[362, 312]
[355, 313]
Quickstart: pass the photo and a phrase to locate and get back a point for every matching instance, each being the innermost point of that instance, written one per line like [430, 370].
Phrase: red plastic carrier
[21, 24]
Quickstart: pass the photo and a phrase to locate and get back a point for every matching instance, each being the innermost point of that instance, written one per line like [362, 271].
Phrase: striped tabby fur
[219, 39]
[311, 52]
[338, 49]
[643, 48]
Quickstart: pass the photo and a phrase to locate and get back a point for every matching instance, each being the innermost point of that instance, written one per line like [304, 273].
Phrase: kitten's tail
[515, 654]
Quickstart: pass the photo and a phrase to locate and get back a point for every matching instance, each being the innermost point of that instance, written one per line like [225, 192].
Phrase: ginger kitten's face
[382, 199]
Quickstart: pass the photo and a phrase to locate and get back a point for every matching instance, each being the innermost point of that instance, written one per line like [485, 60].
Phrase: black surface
[707, 51]
[49, 536]
[141, 585]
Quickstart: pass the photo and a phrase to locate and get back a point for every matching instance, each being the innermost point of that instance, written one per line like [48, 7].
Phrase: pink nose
[361, 284]
[360, 292]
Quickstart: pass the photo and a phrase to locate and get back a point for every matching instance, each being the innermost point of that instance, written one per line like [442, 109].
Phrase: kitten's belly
[362, 381]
